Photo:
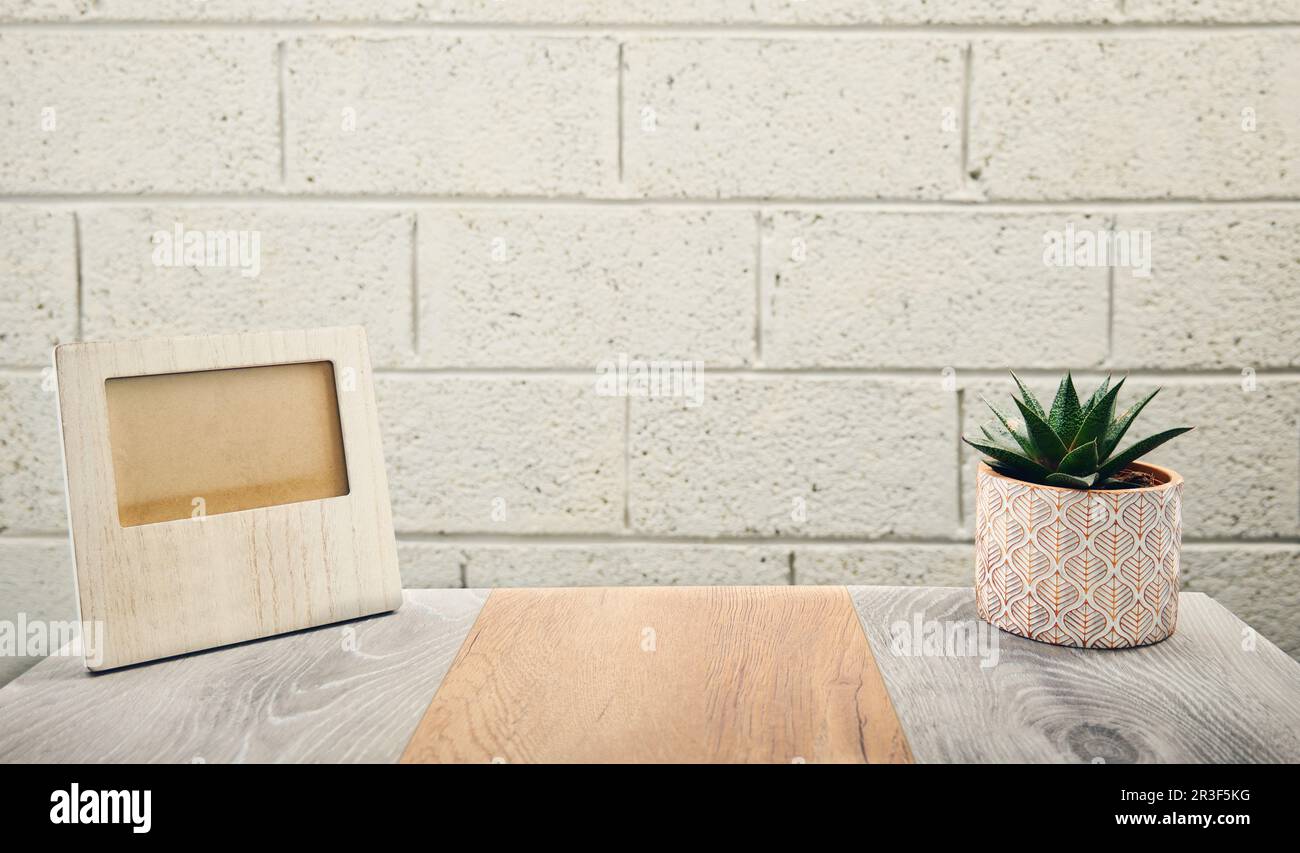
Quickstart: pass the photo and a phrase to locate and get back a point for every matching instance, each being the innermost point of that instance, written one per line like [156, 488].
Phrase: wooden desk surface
[660, 674]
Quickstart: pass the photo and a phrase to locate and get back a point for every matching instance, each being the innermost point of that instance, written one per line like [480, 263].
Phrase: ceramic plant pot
[1096, 569]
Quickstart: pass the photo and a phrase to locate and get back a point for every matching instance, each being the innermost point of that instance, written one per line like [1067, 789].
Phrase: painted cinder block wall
[835, 206]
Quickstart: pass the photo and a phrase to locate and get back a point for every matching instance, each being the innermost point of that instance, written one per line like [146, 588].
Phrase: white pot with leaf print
[1076, 543]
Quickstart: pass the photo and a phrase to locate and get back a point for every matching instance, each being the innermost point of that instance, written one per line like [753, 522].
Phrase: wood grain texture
[343, 693]
[649, 675]
[197, 583]
[1213, 692]
[787, 675]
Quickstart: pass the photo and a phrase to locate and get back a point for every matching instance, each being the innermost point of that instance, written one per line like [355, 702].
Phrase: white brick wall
[38, 298]
[476, 454]
[319, 266]
[567, 287]
[880, 289]
[31, 462]
[34, 583]
[507, 115]
[859, 457]
[1239, 264]
[828, 118]
[817, 12]
[138, 112]
[830, 205]
[599, 564]
[1136, 117]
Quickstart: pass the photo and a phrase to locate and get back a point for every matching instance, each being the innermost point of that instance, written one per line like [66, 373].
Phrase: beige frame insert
[163, 588]
[207, 442]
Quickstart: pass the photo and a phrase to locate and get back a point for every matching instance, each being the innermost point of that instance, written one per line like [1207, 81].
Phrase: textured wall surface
[839, 208]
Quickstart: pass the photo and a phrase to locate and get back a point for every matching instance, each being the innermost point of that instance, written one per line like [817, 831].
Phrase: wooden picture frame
[297, 531]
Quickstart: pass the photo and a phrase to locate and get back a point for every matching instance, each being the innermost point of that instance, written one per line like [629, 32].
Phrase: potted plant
[1076, 544]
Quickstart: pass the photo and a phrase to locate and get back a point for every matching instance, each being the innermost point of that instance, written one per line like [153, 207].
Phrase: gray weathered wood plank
[351, 692]
[1214, 692]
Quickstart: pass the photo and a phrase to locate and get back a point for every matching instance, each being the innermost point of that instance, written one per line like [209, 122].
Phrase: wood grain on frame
[195, 583]
[707, 674]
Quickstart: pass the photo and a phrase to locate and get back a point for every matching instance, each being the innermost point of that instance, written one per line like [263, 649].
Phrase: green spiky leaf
[1025, 444]
[1115, 431]
[1066, 413]
[1093, 427]
[1051, 450]
[1030, 400]
[994, 432]
[999, 438]
[1070, 446]
[1067, 481]
[1009, 458]
[1081, 460]
[1096, 395]
[1141, 448]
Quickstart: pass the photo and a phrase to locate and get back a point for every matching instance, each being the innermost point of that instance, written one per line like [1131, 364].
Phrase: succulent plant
[1073, 444]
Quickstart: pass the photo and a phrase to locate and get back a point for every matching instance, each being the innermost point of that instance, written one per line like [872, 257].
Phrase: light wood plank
[1200, 696]
[704, 674]
[304, 697]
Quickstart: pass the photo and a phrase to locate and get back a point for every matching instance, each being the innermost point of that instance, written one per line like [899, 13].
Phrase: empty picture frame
[223, 489]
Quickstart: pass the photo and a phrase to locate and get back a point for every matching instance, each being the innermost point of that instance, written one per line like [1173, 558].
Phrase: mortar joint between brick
[79, 297]
[760, 296]
[388, 201]
[1110, 300]
[415, 283]
[16, 536]
[959, 405]
[627, 463]
[719, 30]
[280, 108]
[624, 539]
[1225, 374]
[967, 73]
[618, 115]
